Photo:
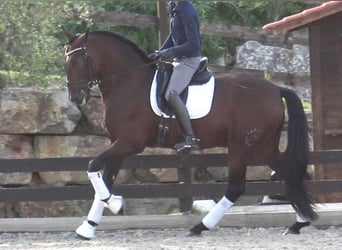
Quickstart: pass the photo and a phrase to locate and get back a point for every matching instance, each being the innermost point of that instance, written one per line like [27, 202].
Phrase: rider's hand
[154, 56]
[164, 55]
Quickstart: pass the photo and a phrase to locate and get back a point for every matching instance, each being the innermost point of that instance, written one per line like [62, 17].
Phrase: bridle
[89, 62]
[90, 65]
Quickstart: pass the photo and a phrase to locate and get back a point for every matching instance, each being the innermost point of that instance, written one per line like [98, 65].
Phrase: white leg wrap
[301, 219]
[96, 210]
[115, 203]
[86, 231]
[101, 190]
[217, 212]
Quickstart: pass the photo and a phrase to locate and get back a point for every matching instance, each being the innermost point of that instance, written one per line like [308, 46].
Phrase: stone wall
[37, 123]
[44, 124]
[254, 55]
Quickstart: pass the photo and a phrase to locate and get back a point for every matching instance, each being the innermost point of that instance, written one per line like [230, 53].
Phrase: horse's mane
[123, 39]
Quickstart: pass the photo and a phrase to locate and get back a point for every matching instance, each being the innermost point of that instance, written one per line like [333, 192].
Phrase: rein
[91, 69]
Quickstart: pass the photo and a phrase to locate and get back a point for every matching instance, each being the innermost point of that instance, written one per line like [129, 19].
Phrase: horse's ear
[86, 34]
[67, 34]
[84, 37]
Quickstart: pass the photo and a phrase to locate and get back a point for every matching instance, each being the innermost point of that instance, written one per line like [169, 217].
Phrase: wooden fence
[185, 190]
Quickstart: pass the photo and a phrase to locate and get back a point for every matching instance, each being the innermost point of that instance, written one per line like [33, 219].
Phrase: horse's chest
[111, 123]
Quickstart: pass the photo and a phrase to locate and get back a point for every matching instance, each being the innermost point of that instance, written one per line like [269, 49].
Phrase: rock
[92, 113]
[254, 55]
[15, 179]
[203, 206]
[30, 111]
[165, 174]
[15, 146]
[150, 206]
[60, 115]
[157, 174]
[50, 209]
[68, 146]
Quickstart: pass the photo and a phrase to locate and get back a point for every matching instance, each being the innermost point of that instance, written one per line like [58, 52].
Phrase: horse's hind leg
[271, 152]
[300, 221]
[235, 188]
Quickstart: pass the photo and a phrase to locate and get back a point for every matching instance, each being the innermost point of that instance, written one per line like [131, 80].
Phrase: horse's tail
[293, 163]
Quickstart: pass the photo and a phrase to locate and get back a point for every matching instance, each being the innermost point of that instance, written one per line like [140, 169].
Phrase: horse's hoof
[295, 228]
[85, 231]
[192, 234]
[81, 237]
[197, 229]
[291, 231]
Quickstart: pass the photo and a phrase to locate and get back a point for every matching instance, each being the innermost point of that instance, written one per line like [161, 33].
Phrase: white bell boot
[86, 231]
[115, 203]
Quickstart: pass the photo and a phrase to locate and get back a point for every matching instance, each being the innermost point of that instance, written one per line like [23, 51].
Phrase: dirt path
[312, 238]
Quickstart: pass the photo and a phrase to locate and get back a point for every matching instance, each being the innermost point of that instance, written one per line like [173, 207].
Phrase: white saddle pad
[200, 98]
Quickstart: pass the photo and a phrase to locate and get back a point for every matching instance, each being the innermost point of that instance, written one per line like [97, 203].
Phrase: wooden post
[184, 176]
[316, 87]
[163, 21]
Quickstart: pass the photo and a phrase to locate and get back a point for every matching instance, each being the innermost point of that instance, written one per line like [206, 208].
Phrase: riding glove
[164, 55]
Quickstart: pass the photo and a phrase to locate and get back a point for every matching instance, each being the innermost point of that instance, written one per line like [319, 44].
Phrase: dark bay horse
[247, 117]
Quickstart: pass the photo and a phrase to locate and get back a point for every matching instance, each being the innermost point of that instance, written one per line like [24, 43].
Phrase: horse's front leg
[102, 183]
[110, 162]
[87, 229]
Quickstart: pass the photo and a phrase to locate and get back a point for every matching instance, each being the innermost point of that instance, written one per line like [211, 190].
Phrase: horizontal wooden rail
[147, 161]
[184, 189]
[158, 190]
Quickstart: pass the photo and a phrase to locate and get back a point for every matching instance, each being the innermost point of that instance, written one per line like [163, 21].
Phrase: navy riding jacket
[184, 37]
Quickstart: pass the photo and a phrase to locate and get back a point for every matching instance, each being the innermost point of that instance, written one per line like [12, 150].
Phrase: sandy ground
[311, 238]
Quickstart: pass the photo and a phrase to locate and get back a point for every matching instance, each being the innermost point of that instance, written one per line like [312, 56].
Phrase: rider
[183, 46]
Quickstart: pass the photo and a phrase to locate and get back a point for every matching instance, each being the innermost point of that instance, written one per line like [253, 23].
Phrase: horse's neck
[126, 72]
[133, 83]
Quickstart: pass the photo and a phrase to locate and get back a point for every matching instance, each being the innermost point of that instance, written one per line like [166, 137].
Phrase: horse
[247, 115]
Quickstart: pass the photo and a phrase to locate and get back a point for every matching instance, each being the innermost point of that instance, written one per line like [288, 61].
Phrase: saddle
[164, 72]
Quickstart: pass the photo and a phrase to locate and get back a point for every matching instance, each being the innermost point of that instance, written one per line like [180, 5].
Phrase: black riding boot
[178, 106]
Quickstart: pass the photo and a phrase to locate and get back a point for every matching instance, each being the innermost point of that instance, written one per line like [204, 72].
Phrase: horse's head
[80, 68]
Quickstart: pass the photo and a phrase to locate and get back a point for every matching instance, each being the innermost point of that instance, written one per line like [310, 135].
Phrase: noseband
[89, 62]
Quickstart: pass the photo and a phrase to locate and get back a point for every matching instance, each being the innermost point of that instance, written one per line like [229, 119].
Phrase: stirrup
[190, 142]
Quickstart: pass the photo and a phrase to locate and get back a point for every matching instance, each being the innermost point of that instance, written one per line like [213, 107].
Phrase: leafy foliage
[241, 12]
[31, 40]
